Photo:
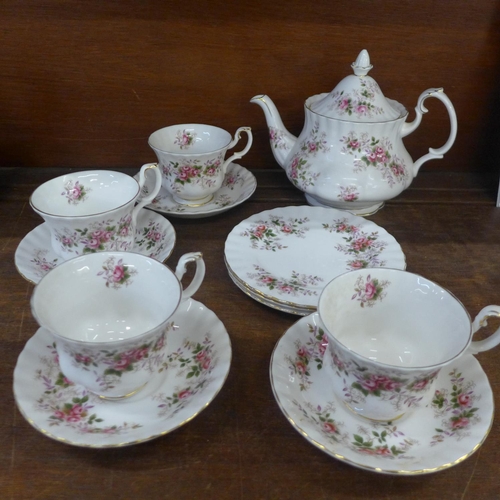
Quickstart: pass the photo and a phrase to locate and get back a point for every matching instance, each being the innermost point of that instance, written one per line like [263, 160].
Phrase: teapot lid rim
[397, 106]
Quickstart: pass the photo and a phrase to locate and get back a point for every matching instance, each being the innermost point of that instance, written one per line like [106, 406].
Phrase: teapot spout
[281, 140]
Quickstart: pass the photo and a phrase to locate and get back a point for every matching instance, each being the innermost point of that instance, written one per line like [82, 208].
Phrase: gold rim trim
[23, 276]
[127, 443]
[261, 296]
[193, 205]
[93, 214]
[259, 293]
[275, 305]
[374, 420]
[117, 445]
[121, 398]
[278, 307]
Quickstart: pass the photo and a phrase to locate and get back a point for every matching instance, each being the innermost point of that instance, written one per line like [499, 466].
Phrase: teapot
[350, 154]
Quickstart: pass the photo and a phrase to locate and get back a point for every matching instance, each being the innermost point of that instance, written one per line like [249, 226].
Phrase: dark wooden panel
[85, 83]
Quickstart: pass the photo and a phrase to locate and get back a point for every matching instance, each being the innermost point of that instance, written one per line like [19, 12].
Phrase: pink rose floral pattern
[310, 352]
[299, 169]
[358, 103]
[184, 138]
[296, 285]
[277, 138]
[67, 404]
[323, 420]
[233, 186]
[268, 234]
[379, 442]
[232, 181]
[365, 248]
[70, 405]
[371, 384]
[456, 407]
[110, 366]
[98, 236]
[194, 363]
[369, 291]
[77, 410]
[150, 238]
[193, 172]
[41, 265]
[375, 439]
[116, 274]
[361, 382]
[75, 192]
[376, 153]
[348, 193]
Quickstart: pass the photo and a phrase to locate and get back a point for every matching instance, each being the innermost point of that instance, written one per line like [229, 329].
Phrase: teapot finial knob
[362, 64]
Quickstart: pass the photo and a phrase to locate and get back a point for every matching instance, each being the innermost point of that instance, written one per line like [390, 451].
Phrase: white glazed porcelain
[390, 334]
[35, 257]
[93, 211]
[238, 185]
[110, 313]
[265, 300]
[350, 154]
[196, 365]
[434, 437]
[191, 157]
[285, 256]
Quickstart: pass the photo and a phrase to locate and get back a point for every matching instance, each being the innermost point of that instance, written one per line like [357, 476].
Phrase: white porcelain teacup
[110, 315]
[191, 157]
[93, 211]
[389, 333]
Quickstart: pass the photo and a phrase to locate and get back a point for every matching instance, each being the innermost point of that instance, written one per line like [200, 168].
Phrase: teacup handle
[199, 274]
[151, 195]
[480, 321]
[243, 152]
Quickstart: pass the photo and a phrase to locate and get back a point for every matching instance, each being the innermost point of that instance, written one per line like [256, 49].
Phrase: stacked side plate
[260, 297]
[284, 257]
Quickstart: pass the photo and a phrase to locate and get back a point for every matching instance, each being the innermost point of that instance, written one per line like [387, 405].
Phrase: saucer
[432, 438]
[263, 300]
[34, 257]
[284, 257]
[198, 360]
[238, 185]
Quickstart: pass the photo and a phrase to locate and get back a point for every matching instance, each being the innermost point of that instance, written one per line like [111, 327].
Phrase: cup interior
[84, 193]
[106, 297]
[189, 139]
[395, 318]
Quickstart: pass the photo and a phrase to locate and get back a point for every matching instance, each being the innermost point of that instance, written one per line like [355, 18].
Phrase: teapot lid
[357, 98]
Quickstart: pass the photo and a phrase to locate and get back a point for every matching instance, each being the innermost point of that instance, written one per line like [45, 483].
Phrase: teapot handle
[408, 128]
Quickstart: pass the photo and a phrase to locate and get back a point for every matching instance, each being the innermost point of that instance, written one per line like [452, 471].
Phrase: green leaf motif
[358, 439]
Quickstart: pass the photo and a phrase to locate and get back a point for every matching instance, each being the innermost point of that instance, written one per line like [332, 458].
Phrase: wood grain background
[84, 83]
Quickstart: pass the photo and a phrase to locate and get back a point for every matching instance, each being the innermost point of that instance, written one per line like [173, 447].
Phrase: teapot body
[350, 154]
[353, 166]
